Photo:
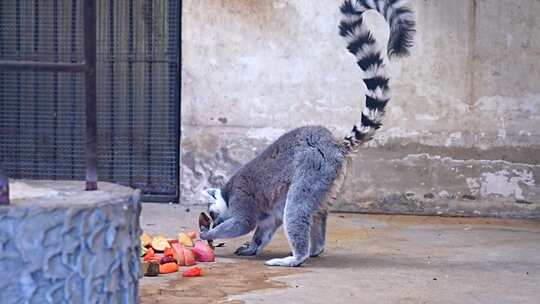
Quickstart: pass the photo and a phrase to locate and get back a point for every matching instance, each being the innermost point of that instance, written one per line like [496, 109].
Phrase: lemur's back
[269, 175]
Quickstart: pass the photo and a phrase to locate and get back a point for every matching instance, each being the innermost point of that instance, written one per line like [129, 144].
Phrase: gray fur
[266, 227]
[318, 233]
[293, 180]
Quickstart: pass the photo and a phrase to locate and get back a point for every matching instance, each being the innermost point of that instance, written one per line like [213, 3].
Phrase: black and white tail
[370, 58]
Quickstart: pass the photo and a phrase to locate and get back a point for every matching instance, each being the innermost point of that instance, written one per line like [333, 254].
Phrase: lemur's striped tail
[370, 58]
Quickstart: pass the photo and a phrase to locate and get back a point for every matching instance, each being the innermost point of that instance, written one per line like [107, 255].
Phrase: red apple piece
[203, 252]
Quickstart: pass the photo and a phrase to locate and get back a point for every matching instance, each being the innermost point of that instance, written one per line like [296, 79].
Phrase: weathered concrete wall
[462, 132]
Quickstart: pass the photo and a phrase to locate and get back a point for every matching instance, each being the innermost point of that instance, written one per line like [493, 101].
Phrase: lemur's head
[218, 208]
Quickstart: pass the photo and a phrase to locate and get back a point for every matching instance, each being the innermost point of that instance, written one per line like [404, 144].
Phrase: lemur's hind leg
[266, 227]
[299, 211]
[262, 236]
[313, 179]
[318, 233]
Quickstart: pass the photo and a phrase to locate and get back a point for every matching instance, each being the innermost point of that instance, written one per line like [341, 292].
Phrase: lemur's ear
[211, 192]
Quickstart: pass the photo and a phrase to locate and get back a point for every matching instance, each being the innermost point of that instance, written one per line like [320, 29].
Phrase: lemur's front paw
[247, 249]
[205, 235]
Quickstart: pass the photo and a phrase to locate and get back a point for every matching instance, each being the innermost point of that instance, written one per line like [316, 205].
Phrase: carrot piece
[149, 254]
[168, 268]
[168, 252]
[155, 258]
[193, 272]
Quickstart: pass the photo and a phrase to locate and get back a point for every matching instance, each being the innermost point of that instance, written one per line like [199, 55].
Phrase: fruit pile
[160, 255]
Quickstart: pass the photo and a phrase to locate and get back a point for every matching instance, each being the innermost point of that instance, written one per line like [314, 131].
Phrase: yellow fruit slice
[160, 243]
[146, 239]
[185, 240]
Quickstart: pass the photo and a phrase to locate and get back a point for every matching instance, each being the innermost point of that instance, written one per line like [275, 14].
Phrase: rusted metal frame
[89, 68]
[90, 53]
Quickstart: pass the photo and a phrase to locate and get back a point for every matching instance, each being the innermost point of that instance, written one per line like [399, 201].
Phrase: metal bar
[90, 42]
[178, 133]
[56, 49]
[41, 66]
[112, 87]
[18, 90]
[131, 88]
[4, 189]
[72, 88]
[35, 97]
[149, 7]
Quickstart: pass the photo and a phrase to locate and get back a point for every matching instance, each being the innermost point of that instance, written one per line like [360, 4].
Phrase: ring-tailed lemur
[292, 179]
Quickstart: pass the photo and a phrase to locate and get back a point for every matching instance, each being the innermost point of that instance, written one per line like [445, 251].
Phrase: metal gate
[42, 113]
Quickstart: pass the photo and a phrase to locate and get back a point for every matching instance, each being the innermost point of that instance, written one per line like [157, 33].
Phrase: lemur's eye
[212, 215]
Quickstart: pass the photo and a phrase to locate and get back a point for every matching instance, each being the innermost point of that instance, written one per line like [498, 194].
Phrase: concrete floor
[369, 259]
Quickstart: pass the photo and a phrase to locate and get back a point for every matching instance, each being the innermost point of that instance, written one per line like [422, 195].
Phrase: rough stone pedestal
[61, 244]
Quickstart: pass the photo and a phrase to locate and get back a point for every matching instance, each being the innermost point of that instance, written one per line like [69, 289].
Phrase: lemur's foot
[317, 252]
[248, 249]
[290, 261]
